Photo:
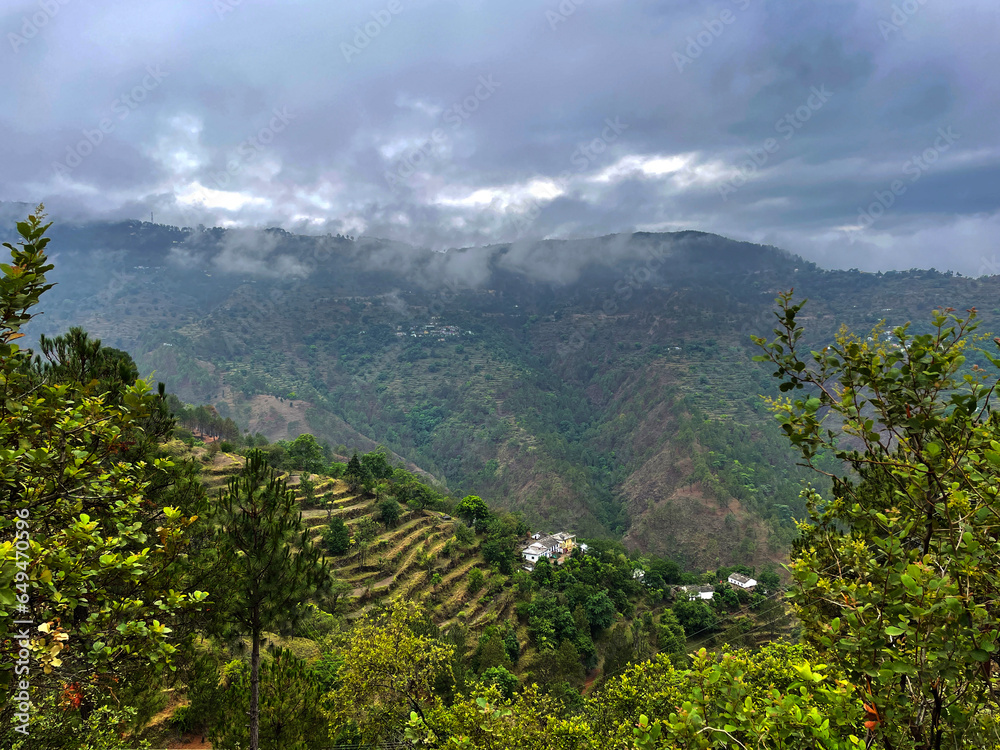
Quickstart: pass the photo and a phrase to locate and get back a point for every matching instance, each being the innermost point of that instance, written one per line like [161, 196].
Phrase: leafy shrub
[389, 512]
[506, 682]
[336, 537]
[475, 581]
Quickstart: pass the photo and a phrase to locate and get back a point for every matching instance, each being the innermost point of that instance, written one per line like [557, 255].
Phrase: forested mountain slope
[604, 386]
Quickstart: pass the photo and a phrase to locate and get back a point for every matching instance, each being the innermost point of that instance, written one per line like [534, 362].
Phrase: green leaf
[901, 667]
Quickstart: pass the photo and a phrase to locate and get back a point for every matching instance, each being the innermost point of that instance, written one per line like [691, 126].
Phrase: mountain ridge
[604, 385]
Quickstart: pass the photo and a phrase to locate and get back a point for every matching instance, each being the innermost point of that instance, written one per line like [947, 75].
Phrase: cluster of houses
[560, 545]
[431, 329]
[555, 546]
[738, 580]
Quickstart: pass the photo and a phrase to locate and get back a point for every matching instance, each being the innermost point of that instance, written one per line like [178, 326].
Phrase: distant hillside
[602, 385]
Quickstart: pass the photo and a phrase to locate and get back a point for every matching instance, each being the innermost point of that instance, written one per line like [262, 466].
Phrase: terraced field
[419, 558]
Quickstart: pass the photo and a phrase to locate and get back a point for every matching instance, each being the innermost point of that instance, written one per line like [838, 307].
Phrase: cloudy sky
[858, 134]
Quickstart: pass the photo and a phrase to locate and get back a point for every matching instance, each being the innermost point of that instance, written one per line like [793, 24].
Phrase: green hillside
[614, 397]
[176, 584]
[427, 555]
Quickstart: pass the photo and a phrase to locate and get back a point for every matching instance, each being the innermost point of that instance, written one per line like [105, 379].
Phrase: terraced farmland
[419, 558]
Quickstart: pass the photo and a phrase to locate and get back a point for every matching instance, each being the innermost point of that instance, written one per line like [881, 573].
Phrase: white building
[552, 545]
[742, 581]
[534, 551]
[699, 592]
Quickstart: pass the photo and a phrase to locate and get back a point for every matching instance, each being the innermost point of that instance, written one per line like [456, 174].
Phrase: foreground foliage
[389, 668]
[895, 575]
[771, 699]
[88, 554]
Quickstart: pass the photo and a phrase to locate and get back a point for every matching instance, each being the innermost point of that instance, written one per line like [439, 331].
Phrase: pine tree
[291, 713]
[336, 537]
[492, 652]
[357, 475]
[269, 559]
[619, 651]
[511, 646]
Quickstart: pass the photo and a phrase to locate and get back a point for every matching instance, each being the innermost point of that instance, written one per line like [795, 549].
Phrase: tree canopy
[473, 509]
[92, 549]
[894, 574]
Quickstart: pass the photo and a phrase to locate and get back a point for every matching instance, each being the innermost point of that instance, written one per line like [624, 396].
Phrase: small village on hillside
[560, 545]
[433, 329]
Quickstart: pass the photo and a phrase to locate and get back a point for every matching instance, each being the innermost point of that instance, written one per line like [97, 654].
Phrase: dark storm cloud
[447, 123]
